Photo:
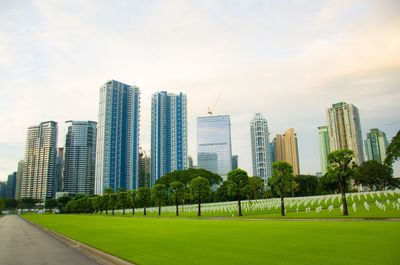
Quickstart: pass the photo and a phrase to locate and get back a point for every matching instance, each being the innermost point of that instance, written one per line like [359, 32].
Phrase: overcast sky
[289, 60]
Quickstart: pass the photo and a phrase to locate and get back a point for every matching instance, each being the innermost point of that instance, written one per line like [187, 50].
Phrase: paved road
[23, 244]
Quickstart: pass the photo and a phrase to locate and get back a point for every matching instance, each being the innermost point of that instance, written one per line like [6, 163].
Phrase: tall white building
[260, 147]
[214, 148]
[344, 129]
[117, 148]
[169, 150]
[39, 163]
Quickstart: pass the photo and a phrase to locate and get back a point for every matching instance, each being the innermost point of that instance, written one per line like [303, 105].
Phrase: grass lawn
[203, 241]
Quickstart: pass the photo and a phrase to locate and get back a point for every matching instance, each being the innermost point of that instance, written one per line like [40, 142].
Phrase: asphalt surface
[21, 243]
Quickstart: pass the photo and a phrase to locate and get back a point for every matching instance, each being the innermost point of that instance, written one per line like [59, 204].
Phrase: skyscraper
[260, 147]
[39, 163]
[144, 169]
[80, 157]
[324, 149]
[11, 185]
[3, 187]
[168, 134]
[375, 145]
[18, 185]
[286, 149]
[59, 172]
[214, 148]
[344, 129]
[117, 148]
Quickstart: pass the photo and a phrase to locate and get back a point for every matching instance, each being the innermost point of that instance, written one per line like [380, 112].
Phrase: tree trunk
[133, 210]
[282, 205]
[177, 207]
[159, 209]
[144, 209]
[106, 211]
[113, 211]
[198, 209]
[123, 211]
[240, 205]
[344, 200]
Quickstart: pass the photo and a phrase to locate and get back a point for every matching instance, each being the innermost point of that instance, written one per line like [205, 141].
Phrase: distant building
[117, 148]
[168, 134]
[39, 163]
[375, 145]
[190, 161]
[260, 147]
[18, 185]
[144, 169]
[344, 129]
[286, 149]
[235, 162]
[324, 149]
[59, 173]
[80, 157]
[214, 148]
[11, 185]
[3, 187]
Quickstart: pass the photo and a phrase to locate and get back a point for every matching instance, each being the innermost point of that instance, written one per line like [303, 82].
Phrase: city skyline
[300, 63]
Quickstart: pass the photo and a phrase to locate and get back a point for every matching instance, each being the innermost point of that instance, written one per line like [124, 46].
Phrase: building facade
[286, 149]
[39, 163]
[144, 169]
[168, 134]
[260, 147]
[3, 187]
[324, 149]
[79, 157]
[344, 129]
[18, 185]
[375, 145]
[214, 148]
[235, 162]
[117, 147]
[11, 186]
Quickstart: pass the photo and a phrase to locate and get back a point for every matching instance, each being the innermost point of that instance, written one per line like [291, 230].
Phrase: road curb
[92, 253]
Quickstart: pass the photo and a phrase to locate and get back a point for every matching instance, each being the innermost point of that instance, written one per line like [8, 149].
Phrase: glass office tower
[214, 148]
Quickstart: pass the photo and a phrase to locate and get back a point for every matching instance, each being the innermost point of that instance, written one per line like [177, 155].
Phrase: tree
[199, 189]
[50, 203]
[374, 175]
[2, 205]
[132, 199]
[113, 201]
[187, 175]
[340, 168]
[177, 190]
[393, 150]
[144, 195]
[307, 185]
[62, 203]
[123, 200]
[256, 185]
[281, 181]
[105, 199]
[238, 182]
[159, 195]
[11, 203]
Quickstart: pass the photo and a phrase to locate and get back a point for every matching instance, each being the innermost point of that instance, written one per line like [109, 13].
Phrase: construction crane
[211, 110]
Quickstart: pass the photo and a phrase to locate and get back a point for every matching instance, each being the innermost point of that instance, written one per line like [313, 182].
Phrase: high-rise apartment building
[39, 163]
[11, 185]
[117, 148]
[18, 185]
[324, 149]
[144, 169]
[344, 129]
[190, 162]
[79, 157]
[286, 149]
[59, 172]
[375, 145]
[3, 187]
[235, 162]
[260, 147]
[168, 134]
[214, 148]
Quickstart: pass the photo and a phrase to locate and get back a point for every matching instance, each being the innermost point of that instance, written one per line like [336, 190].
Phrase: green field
[149, 240]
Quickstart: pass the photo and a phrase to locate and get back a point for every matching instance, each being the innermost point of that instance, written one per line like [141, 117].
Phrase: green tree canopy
[186, 176]
[307, 185]
[238, 182]
[340, 169]
[256, 186]
[123, 200]
[144, 196]
[159, 195]
[375, 176]
[281, 181]
[177, 190]
[199, 189]
[393, 150]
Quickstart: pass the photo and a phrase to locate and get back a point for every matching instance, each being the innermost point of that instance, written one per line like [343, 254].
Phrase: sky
[289, 60]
